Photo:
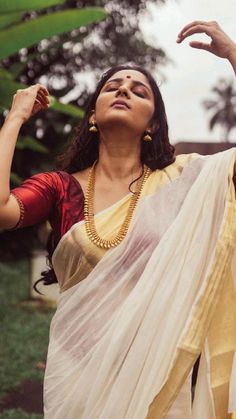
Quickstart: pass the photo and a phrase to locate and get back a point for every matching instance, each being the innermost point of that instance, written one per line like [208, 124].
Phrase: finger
[35, 110]
[37, 107]
[38, 101]
[200, 45]
[42, 103]
[42, 97]
[193, 30]
[191, 25]
[40, 87]
[44, 90]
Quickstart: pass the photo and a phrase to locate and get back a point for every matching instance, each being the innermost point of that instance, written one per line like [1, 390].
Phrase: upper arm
[10, 214]
[31, 202]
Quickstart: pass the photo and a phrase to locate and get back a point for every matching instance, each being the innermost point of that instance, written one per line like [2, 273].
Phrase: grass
[18, 414]
[24, 333]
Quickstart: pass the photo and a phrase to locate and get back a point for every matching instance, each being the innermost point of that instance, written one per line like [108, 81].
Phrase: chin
[116, 120]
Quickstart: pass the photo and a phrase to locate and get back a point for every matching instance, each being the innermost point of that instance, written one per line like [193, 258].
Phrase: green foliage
[57, 62]
[19, 35]
[67, 109]
[6, 20]
[24, 329]
[30, 143]
[7, 6]
[19, 414]
[8, 87]
[15, 179]
[33, 31]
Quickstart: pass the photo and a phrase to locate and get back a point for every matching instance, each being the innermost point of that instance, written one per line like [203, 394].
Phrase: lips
[122, 103]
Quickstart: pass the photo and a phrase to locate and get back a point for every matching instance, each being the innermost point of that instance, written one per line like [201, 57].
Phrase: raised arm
[220, 43]
[25, 103]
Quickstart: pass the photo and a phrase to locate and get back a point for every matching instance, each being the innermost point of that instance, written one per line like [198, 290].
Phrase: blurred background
[67, 45]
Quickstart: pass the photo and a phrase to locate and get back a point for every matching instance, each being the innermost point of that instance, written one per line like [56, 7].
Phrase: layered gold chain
[89, 211]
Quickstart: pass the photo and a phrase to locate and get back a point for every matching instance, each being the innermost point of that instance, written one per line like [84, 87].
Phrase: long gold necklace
[89, 211]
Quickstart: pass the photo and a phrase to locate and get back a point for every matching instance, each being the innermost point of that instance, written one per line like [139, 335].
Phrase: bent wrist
[15, 117]
[232, 57]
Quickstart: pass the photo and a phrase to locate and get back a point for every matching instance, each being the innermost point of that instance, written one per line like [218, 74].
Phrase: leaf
[66, 108]
[217, 118]
[15, 179]
[17, 68]
[31, 143]
[209, 104]
[8, 19]
[7, 6]
[33, 31]
[9, 87]
[5, 74]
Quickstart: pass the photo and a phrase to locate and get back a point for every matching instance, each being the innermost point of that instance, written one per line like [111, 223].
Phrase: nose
[123, 90]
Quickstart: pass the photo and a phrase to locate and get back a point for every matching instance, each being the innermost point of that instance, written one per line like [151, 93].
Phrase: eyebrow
[135, 82]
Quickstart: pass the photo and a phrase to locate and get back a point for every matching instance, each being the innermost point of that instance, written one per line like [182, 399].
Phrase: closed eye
[111, 89]
[139, 94]
[135, 91]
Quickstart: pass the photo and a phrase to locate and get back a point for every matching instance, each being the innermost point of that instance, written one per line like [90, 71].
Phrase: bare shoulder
[82, 178]
[82, 175]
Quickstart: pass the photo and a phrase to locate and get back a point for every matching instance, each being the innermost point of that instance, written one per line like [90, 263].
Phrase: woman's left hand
[221, 44]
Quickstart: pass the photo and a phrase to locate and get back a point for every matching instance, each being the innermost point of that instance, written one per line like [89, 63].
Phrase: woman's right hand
[29, 101]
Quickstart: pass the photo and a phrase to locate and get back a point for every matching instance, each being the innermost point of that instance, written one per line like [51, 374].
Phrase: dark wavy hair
[84, 149]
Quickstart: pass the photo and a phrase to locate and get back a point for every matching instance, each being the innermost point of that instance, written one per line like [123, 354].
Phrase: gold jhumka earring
[93, 127]
[147, 137]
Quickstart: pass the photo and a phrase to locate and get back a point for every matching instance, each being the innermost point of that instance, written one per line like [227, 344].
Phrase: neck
[119, 157]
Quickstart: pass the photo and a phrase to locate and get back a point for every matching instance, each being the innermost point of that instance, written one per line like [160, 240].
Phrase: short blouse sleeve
[37, 198]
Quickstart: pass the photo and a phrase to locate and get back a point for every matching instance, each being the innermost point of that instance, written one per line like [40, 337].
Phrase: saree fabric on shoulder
[132, 321]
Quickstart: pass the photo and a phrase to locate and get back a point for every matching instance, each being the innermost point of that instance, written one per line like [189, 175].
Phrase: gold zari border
[193, 341]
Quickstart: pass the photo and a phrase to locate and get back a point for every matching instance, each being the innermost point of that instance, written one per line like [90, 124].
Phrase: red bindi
[128, 77]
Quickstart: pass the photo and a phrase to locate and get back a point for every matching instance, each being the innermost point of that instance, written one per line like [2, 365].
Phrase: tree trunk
[226, 130]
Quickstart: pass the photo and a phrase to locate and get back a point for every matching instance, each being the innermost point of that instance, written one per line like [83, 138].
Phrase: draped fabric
[132, 321]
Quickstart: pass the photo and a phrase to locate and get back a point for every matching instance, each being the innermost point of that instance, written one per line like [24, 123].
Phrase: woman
[145, 277]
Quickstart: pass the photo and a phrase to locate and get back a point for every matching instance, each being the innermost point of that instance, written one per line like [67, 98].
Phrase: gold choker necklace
[89, 211]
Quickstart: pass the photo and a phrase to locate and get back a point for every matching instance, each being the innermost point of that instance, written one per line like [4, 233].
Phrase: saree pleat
[203, 406]
[124, 340]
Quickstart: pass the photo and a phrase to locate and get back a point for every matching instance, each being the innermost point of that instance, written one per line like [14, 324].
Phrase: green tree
[115, 40]
[20, 28]
[57, 62]
[222, 107]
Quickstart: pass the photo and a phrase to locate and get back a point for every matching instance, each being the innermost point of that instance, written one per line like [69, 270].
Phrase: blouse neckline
[105, 209]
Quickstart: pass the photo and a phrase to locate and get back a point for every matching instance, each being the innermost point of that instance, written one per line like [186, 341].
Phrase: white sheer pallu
[124, 340]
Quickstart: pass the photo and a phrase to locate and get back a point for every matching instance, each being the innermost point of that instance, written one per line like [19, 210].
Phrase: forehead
[130, 75]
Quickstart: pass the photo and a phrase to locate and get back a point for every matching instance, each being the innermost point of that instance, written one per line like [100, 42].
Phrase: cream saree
[132, 321]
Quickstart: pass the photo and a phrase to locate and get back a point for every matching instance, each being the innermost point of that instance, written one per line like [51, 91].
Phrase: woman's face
[125, 100]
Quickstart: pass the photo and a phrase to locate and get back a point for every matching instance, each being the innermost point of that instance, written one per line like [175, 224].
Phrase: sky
[194, 72]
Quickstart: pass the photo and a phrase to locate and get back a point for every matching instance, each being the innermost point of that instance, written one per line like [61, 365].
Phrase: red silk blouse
[53, 196]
